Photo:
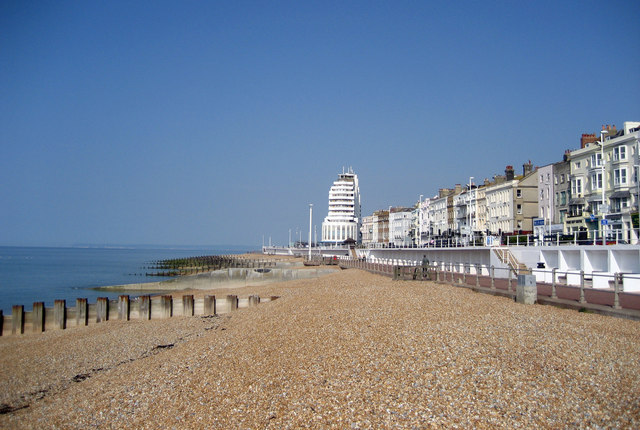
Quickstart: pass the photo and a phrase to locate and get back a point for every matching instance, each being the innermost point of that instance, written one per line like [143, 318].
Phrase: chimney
[587, 138]
[567, 155]
[508, 172]
[486, 182]
[527, 168]
[442, 192]
[458, 189]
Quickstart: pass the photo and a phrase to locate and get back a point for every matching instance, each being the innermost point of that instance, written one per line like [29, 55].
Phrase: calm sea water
[32, 274]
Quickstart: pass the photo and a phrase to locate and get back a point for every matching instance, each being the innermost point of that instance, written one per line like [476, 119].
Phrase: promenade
[347, 350]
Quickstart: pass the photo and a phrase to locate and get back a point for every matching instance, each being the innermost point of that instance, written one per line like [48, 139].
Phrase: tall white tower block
[343, 220]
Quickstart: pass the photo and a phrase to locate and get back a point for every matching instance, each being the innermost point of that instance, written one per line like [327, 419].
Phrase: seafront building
[343, 222]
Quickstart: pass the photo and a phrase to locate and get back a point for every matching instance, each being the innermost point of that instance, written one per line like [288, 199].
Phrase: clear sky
[203, 123]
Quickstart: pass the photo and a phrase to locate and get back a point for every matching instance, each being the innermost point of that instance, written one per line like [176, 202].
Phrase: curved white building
[343, 220]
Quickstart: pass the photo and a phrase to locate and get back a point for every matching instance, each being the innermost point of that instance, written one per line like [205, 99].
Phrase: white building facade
[343, 220]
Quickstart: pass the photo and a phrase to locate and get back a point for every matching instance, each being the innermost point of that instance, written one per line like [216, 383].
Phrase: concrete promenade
[347, 350]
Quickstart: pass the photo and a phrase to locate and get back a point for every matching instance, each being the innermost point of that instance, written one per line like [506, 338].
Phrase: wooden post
[60, 314]
[209, 305]
[144, 310]
[477, 275]
[554, 294]
[493, 277]
[123, 307]
[102, 309]
[37, 317]
[232, 301]
[617, 277]
[187, 305]
[464, 273]
[82, 312]
[509, 282]
[254, 300]
[582, 299]
[17, 319]
[166, 305]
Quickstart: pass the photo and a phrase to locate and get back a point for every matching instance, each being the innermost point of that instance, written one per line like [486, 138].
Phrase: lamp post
[603, 209]
[310, 220]
[419, 241]
[637, 176]
[469, 231]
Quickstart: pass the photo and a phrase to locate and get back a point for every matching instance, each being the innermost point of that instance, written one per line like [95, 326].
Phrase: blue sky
[202, 123]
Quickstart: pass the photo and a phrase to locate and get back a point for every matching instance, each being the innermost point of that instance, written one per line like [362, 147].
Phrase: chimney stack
[509, 173]
[527, 168]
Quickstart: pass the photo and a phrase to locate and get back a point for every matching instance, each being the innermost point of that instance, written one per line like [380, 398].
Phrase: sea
[41, 274]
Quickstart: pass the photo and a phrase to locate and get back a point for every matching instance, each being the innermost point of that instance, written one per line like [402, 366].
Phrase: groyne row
[202, 264]
[125, 308]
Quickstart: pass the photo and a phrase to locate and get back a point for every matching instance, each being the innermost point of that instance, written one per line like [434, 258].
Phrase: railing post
[582, 299]
[617, 277]
[37, 317]
[17, 319]
[493, 277]
[60, 314]
[554, 294]
[477, 275]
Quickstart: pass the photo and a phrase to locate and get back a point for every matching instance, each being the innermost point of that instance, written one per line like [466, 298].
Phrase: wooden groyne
[125, 308]
[202, 264]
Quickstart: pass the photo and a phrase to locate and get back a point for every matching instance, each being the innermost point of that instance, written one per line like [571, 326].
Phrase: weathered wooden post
[464, 273]
[617, 278]
[60, 314]
[509, 281]
[37, 317]
[123, 307]
[493, 277]
[82, 312]
[144, 310]
[102, 309]
[166, 306]
[477, 275]
[187, 305]
[254, 300]
[17, 319]
[232, 302]
[582, 299]
[554, 293]
[209, 305]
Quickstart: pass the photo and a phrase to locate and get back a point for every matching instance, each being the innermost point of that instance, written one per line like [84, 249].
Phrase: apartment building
[604, 182]
[400, 221]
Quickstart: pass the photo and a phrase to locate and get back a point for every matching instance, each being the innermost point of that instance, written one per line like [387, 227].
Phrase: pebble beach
[347, 350]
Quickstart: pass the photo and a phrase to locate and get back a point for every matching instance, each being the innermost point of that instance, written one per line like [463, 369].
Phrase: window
[577, 164]
[563, 198]
[620, 153]
[576, 187]
[555, 179]
[596, 181]
[519, 209]
[596, 159]
[562, 179]
[518, 193]
[620, 176]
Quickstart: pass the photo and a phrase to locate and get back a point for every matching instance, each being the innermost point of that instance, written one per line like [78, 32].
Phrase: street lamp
[310, 220]
[603, 208]
[469, 231]
[419, 241]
